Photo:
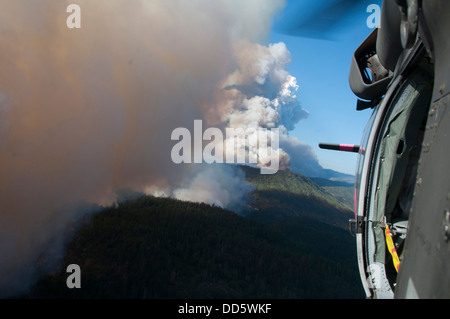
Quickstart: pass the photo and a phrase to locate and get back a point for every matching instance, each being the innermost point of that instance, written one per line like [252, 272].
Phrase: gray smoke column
[85, 112]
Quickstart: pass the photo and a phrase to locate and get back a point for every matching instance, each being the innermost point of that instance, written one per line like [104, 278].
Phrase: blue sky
[321, 66]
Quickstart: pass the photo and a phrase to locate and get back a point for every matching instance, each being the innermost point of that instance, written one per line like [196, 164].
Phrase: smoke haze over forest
[87, 112]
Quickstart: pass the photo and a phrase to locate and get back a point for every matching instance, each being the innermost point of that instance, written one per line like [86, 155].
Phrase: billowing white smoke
[261, 94]
[222, 186]
[258, 97]
[86, 112]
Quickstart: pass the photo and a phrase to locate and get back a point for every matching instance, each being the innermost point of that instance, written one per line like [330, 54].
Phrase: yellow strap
[391, 248]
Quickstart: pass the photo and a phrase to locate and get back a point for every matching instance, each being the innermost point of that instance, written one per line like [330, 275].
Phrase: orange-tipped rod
[340, 147]
[391, 248]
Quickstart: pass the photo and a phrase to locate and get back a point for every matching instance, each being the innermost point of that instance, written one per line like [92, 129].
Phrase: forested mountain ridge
[286, 194]
[289, 245]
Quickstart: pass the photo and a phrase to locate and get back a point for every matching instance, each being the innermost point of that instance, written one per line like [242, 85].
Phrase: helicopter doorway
[392, 174]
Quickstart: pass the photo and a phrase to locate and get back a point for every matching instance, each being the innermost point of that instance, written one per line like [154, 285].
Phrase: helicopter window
[362, 153]
[395, 166]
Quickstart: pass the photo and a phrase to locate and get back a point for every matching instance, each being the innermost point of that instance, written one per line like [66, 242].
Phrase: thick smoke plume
[222, 186]
[86, 112]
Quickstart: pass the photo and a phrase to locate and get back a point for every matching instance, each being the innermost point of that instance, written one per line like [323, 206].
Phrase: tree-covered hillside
[165, 248]
[286, 195]
[292, 242]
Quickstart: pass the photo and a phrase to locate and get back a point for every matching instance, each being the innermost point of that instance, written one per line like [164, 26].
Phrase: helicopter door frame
[401, 113]
[371, 278]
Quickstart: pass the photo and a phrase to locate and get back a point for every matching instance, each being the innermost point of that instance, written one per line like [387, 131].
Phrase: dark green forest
[291, 241]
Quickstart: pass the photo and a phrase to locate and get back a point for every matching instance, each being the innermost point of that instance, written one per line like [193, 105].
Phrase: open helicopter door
[389, 152]
[387, 178]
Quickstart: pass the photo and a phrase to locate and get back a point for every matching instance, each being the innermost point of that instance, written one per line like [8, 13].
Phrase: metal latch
[355, 226]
